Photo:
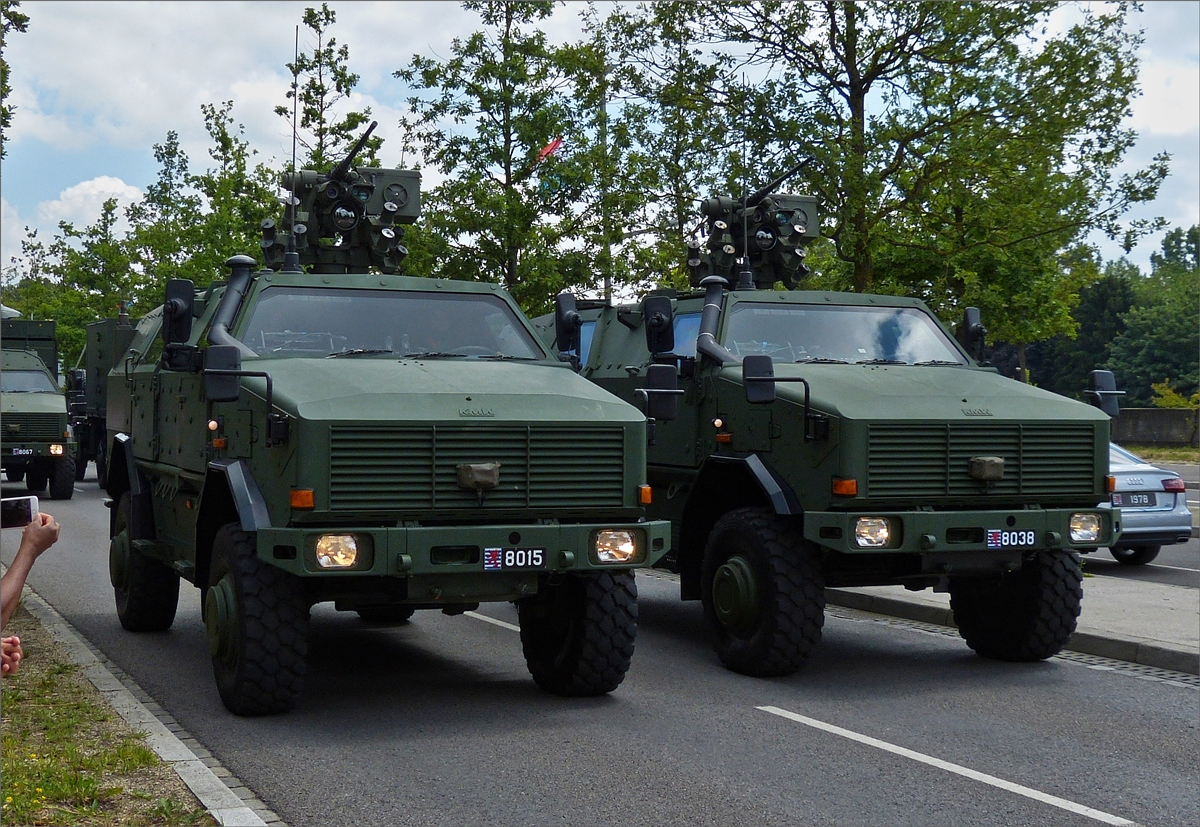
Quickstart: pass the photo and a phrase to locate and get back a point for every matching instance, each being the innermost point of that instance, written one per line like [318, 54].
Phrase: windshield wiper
[506, 356]
[821, 360]
[425, 354]
[937, 362]
[359, 351]
[880, 362]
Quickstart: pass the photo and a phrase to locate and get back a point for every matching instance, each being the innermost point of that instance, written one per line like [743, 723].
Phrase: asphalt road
[437, 722]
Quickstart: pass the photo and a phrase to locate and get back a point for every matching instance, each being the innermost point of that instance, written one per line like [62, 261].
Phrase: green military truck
[386, 443]
[87, 391]
[834, 439]
[36, 444]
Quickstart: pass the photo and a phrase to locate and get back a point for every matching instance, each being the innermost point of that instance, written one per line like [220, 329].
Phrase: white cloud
[82, 203]
[1170, 100]
[12, 230]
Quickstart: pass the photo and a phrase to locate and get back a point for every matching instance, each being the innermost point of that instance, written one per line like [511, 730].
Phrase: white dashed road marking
[974, 775]
[510, 626]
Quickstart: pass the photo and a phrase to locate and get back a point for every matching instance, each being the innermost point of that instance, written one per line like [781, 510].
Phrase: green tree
[955, 130]
[500, 98]
[13, 21]
[325, 135]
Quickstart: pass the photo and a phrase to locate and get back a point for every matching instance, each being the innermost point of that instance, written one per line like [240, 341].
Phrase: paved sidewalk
[1129, 620]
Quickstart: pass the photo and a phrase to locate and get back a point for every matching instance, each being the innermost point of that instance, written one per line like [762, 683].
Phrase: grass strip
[68, 758]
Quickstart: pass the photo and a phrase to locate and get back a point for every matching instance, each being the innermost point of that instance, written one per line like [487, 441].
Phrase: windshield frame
[8, 375]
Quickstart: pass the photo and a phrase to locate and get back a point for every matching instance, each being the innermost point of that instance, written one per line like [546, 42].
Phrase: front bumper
[22, 453]
[932, 532]
[456, 551]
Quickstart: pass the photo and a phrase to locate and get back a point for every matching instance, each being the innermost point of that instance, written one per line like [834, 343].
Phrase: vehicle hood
[899, 392]
[366, 388]
[47, 402]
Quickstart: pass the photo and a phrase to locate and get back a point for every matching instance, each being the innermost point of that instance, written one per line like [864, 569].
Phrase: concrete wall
[1157, 426]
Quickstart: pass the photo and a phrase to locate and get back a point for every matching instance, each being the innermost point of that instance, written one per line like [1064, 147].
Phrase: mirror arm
[810, 424]
[277, 431]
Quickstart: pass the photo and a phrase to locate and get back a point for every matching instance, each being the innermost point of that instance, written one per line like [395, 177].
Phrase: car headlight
[337, 551]
[616, 546]
[872, 532]
[56, 450]
[1085, 528]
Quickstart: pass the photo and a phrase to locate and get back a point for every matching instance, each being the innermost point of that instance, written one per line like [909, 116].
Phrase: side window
[585, 340]
[687, 328]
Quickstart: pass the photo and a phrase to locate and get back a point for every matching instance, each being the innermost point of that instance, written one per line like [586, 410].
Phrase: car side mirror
[758, 378]
[177, 311]
[222, 364]
[567, 323]
[971, 332]
[662, 396]
[1102, 392]
[660, 326]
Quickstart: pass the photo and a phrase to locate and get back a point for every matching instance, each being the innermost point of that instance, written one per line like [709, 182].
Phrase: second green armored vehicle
[835, 439]
[382, 442]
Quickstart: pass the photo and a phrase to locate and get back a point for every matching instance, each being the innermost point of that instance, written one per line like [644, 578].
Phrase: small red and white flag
[548, 150]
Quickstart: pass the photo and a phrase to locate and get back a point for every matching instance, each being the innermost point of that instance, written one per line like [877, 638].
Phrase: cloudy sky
[96, 84]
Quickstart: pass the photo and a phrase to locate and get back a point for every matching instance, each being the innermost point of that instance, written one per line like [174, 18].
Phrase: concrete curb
[1110, 646]
[222, 802]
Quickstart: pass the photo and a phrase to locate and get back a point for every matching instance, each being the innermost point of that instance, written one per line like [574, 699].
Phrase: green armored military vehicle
[35, 436]
[832, 439]
[386, 443]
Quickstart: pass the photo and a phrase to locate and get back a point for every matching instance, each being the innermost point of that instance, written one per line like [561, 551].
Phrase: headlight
[616, 546]
[337, 551]
[872, 532]
[56, 450]
[1085, 528]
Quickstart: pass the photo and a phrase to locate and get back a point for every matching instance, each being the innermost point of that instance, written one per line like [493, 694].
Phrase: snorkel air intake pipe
[706, 341]
[231, 300]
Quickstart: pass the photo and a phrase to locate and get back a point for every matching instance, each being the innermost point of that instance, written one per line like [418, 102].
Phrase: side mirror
[567, 322]
[662, 402]
[1102, 392]
[758, 379]
[177, 311]
[971, 332]
[660, 327]
[225, 385]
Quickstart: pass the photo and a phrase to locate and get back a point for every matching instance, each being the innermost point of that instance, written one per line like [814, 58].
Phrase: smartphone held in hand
[16, 512]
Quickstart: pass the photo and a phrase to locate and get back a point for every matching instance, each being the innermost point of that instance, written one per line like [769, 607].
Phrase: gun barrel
[339, 172]
[755, 199]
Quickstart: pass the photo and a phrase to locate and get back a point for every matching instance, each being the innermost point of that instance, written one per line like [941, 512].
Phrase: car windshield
[324, 322]
[26, 381]
[841, 334]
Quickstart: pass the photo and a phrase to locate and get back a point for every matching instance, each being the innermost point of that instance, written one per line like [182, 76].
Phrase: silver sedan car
[1153, 505]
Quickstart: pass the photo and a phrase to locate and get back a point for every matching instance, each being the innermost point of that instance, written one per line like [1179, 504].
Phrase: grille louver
[32, 427]
[931, 460]
[386, 468]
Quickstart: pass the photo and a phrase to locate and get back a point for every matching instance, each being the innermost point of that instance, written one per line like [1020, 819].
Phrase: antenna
[745, 275]
[291, 259]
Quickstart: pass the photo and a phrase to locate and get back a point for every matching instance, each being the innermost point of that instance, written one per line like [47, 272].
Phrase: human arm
[38, 536]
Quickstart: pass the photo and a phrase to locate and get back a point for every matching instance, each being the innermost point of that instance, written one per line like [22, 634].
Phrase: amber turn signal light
[302, 498]
[845, 488]
[645, 497]
[1110, 483]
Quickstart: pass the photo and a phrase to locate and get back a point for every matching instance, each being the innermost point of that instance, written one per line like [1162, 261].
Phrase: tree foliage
[13, 21]
[325, 135]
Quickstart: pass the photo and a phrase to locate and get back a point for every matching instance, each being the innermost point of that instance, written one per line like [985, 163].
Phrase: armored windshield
[26, 381]
[333, 322]
[848, 334]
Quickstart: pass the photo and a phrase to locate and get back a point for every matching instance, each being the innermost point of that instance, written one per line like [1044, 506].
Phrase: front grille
[386, 468]
[33, 427]
[932, 460]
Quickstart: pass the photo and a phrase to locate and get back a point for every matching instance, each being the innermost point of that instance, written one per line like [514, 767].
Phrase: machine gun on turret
[764, 233]
[348, 219]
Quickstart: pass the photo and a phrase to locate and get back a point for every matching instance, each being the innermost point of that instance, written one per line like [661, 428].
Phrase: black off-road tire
[763, 593]
[386, 614]
[146, 590]
[1134, 555]
[256, 620]
[62, 483]
[35, 479]
[1024, 615]
[578, 634]
[80, 469]
[102, 467]
[16, 473]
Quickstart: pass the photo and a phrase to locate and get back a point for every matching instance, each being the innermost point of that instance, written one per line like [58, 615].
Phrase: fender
[124, 477]
[723, 484]
[230, 493]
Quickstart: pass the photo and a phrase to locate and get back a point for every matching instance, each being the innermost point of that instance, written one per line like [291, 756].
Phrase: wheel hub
[735, 595]
[220, 619]
[118, 561]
